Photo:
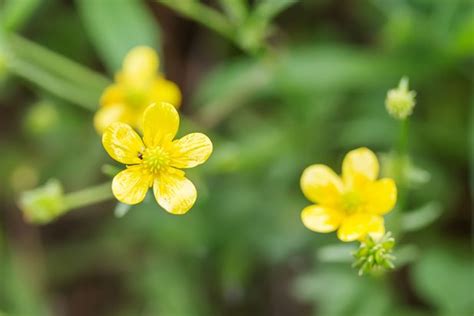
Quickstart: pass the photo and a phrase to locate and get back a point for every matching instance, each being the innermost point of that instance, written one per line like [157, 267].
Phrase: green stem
[57, 64]
[402, 162]
[202, 14]
[52, 72]
[63, 89]
[403, 139]
[88, 196]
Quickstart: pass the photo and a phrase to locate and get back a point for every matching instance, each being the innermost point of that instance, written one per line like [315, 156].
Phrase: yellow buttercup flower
[136, 86]
[353, 205]
[156, 159]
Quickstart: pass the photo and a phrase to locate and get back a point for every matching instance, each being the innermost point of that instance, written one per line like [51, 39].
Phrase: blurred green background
[277, 85]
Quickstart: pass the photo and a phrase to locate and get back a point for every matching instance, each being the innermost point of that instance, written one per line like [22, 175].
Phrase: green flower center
[136, 97]
[154, 159]
[351, 202]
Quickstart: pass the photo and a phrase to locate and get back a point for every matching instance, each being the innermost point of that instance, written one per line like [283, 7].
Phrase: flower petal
[131, 185]
[357, 226]
[321, 219]
[163, 90]
[122, 143]
[111, 95]
[321, 185]
[190, 151]
[109, 114]
[139, 66]
[381, 196]
[174, 192]
[160, 123]
[359, 167]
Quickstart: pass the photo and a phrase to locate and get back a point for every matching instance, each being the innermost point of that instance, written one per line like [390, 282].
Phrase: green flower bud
[374, 256]
[400, 101]
[41, 118]
[43, 204]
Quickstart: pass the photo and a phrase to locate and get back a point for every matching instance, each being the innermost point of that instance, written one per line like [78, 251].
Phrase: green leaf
[116, 26]
[421, 217]
[336, 253]
[443, 276]
[237, 10]
[268, 9]
[15, 13]
[253, 32]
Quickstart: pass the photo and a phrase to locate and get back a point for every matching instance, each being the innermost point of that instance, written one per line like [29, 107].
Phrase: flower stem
[202, 14]
[402, 162]
[52, 72]
[403, 138]
[88, 196]
[57, 64]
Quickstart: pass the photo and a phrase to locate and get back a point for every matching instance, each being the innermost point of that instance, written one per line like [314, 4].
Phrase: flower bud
[41, 118]
[43, 204]
[400, 101]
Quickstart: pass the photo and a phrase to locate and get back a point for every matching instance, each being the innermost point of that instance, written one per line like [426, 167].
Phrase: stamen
[154, 159]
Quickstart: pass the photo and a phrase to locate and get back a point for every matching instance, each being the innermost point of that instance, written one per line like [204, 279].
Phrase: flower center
[154, 159]
[135, 97]
[351, 202]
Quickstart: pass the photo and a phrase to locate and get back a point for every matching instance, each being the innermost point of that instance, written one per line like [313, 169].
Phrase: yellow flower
[155, 161]
[353, 205]
[136, 86]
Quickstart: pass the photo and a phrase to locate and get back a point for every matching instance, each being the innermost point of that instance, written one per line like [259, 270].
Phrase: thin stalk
[63, 89]
[403, 138]
[402, 156]
[55, 63]
[88, 196]
[202, 14]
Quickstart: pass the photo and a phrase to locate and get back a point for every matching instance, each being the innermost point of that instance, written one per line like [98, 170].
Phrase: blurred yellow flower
[353, 205]
[136, 86]
[155, 161]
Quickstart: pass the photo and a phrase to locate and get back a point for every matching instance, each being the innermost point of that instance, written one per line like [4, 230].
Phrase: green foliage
[15, 13]
[444, 277]
[308, 96]
[116, 26]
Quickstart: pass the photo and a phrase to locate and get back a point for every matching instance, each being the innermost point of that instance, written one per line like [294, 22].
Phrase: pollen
[155, 159]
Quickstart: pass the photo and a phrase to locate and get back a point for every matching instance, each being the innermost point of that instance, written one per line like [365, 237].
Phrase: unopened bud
[43, 204]
[400, 101]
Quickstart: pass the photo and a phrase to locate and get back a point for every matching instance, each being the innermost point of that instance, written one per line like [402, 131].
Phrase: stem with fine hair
[88, 196]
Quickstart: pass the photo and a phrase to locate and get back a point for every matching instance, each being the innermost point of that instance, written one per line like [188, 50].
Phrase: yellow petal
[131, 185]
[109, 114]
[174, 192]
[140, 66]
[381, 196]
[164, 90]
[122, 143]
[321, 219]
[112, 94]
[160, 123]
[321, 185]
[357, 226]
[190, 151]
[359, 167]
